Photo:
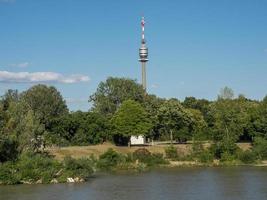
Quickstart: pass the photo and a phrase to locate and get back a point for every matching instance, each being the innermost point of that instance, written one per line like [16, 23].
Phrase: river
[227, 183]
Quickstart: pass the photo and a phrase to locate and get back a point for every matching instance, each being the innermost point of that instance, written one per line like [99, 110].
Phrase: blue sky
[195, 47]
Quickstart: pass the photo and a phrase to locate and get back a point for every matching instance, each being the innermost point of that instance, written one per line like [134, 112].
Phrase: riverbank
[216, 183]
[77, 164]
[82, 170]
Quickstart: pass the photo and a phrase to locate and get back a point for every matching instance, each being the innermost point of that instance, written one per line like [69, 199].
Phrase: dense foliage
[38, 117]
[130, 119]
[40, 168]
[111, 93]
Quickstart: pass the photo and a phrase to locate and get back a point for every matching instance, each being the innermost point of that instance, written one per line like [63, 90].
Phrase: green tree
[251, 110]
[258, 119]
[174, 119]
[46, 102]
[9, 96]
[2, 118]
[25, 127]
[93, 129]
[152, 104]
[230, 119]
[198, 126]
[111, 93]
[130, 119]
[202, 105]
[79, 128]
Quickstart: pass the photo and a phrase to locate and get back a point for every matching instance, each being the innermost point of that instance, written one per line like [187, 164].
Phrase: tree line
[39, 117]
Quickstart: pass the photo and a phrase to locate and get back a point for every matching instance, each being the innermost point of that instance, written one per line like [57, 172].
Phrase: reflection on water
[234, 183]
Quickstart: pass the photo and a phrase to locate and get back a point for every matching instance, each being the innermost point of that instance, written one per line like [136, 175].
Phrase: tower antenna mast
[143, 54]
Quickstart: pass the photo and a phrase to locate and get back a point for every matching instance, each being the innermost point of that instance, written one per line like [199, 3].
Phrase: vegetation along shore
[41, 141]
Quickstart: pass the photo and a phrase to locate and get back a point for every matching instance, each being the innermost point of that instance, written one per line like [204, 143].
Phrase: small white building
[138, 140]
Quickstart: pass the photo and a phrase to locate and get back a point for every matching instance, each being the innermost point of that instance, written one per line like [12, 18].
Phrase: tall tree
[111, 93]
[9, 97]
[46, 103]
[25, 127]
[174, 119]
[79, 128]
[2, 118]
[130, 119]
[258, 119]
[230, 119]
[198, 125]
[202, 105]
[152, 103]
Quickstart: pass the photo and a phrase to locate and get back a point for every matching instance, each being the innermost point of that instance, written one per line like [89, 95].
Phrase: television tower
[143, 54]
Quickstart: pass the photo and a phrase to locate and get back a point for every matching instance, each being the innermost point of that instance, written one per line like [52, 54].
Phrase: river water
[231, 183]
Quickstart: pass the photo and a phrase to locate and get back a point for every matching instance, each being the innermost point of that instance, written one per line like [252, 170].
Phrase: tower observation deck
[143, 54]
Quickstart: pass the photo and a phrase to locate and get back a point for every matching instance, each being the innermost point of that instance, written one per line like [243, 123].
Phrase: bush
[224, 149]
[82, 168]
[260, 148]
[182, 135]
[8, 150]
[156, 159]
[205, 156]
[227, 157]
[32, 167]
[141, 154]
[145, 156]
[109, 159]
[247, 156]
[171, 152]
[200, 154]
[54, 139]
[9, 174]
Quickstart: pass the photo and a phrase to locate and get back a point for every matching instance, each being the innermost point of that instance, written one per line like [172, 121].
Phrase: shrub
[8, 150]
[224, 149]
[109, 159]
[260, 148]
[171, 152]
[205, 156]
[53, 139]
[141, 154]
[247, 156]
[227, 157]
[129, 158]
[145, 156]
[156, 159]
[82, 168]
[33, 167]
[201, 154]
[8, 174]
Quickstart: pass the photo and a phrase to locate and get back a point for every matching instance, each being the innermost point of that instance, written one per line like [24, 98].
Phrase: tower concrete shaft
[144, 75]
[143, 54]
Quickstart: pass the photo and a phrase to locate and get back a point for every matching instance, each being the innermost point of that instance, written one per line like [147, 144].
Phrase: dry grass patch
[97, 150]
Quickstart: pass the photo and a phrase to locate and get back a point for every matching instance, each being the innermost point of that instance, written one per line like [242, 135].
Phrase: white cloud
[20, 65]
[35, 77]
